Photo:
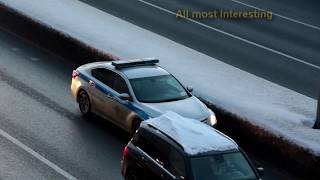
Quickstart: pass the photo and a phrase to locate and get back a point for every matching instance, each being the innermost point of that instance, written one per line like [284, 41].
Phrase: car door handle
[91, 83]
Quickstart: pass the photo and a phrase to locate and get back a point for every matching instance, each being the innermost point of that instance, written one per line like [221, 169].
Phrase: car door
[106, 99]
[162, 156]
[140, 155]
[149, 159]
[100, 89]
[120, 112]
[175, 163]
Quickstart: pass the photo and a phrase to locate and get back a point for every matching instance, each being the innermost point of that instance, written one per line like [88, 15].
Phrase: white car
[128, 92]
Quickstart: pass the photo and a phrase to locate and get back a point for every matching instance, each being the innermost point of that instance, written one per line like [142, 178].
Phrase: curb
[290, 155]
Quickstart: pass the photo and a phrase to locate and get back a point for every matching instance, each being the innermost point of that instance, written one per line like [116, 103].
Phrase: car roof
[130, 72]
[193, 136]
[143, 71]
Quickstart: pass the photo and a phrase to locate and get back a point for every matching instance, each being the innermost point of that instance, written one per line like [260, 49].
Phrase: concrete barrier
[246, 134]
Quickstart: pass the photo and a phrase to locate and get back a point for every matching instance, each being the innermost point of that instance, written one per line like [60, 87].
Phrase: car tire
[132, 175]
[84, 103]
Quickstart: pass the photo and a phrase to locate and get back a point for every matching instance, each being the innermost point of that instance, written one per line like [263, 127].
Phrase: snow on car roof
[194, 136]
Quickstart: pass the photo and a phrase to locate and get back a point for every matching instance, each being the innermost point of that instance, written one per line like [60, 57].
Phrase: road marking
[235, 36]
[37, 155]
[279, 15]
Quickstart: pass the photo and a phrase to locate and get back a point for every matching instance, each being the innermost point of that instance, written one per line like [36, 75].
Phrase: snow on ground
[195, 137]
[284, 112]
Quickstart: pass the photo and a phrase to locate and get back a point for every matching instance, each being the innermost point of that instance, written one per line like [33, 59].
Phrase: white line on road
[279, 15]
[37, 155]
[235, 36]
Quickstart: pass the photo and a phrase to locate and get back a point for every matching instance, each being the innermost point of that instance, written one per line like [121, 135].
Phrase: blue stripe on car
[107, 90]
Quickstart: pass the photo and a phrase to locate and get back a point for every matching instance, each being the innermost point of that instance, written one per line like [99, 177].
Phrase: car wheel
[132, 175]
[84, 103]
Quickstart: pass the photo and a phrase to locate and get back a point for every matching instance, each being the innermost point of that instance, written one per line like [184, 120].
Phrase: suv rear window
[175, 163]
[162, 152]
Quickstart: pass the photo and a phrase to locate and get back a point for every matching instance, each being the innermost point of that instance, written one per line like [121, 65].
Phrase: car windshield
[222, 166]
[157, 89]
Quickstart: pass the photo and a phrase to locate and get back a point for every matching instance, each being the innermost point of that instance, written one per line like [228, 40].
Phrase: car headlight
[212, 120]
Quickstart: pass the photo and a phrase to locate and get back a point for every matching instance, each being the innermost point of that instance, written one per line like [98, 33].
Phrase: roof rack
[134, 62]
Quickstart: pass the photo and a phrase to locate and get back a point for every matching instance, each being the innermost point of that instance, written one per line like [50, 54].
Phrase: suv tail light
[125, 152]
[75, 74]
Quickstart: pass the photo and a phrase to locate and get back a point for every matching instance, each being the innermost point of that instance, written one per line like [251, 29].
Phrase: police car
[128, 92]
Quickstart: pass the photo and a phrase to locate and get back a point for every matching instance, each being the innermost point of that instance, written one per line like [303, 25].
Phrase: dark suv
[173, 147]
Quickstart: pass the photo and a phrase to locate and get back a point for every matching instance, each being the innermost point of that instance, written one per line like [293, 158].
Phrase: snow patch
[195, 137]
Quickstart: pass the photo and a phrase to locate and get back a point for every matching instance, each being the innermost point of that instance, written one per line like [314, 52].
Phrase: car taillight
[125, 151]
[75, 74]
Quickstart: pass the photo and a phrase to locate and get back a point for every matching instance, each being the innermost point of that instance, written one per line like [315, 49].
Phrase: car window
[175, 164]
[120, 85]
[111, 79]
[163, 153]
[104, 75]
[143, 141]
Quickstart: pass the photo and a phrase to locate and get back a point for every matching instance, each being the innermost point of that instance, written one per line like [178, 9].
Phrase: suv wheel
[84, 103]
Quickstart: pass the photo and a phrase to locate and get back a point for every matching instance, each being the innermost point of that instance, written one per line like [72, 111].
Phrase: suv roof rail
[135, 62]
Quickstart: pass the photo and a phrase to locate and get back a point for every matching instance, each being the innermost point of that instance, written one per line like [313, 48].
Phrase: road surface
[43, 136]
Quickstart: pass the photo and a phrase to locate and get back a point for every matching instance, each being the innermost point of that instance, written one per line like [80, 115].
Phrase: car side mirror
[190, 88]
[260, 171]
[125, 97]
